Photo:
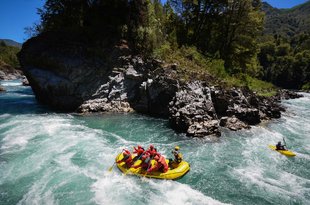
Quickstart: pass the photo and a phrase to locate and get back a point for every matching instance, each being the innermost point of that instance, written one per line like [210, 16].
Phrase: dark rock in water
[2, 89]
[233, 123]
[192, 111]
[71, 79]
[64, 75]
[25, 82]
[239, 108]
[287, 94]
[2, 75]
[103, 105]
[241, 103]
[269, 108]
[247, 115]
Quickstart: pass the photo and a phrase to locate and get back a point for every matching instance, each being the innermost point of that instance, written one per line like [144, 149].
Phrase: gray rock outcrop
[67, 76]
[192, 111]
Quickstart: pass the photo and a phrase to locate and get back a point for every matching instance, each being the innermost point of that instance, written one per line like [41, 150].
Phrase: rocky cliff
[72, 76]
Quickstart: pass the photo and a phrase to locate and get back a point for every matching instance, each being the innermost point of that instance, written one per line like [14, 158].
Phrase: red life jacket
[152, 152]
[128, 161]
[160, 165]
[127, 158]
[138, 151]
[163, 163]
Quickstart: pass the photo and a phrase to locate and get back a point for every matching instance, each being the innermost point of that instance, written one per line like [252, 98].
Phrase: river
[56, 158]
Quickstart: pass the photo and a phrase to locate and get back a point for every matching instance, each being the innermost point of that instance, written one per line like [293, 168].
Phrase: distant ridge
[287, 22]
[10, 42]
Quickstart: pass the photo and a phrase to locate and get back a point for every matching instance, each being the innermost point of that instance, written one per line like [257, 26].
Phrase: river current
[55, 158]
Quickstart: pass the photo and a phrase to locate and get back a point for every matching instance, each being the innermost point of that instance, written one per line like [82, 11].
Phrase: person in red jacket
[139, 151]
[127, 158]
[161, 164]
[145, 160]
[152, 151]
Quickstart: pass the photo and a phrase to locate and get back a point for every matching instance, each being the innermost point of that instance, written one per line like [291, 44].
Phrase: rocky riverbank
[7, 72]
[68, 77]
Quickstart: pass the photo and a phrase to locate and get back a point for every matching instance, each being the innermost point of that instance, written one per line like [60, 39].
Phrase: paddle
[111, 168]
[134, 162]
[148, 166]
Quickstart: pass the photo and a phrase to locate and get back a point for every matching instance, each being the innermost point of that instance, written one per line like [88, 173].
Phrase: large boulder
[192, 111]
[67, 75]
[62, 73]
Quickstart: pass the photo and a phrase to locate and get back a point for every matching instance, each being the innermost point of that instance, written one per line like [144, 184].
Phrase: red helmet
[144, 157]
[156, 157]
[151, 146]
[139, 146]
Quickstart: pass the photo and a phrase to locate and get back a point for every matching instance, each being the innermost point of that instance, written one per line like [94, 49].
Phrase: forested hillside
[8, 61]
[287, 22]
[220, 38]
[285, 51]
[8, 55]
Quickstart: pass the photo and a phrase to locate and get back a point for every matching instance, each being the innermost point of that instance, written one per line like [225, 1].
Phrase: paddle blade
[110, 169]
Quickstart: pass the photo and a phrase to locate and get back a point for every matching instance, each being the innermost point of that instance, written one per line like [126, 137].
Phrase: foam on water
[115, 189]
[262, 169]
[11, 83]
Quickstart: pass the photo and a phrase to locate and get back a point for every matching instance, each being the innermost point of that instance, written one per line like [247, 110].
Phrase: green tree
[229, 28]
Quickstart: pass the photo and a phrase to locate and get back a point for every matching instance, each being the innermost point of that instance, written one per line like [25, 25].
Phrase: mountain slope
[285, 46]
[10, 42]
[287, 22]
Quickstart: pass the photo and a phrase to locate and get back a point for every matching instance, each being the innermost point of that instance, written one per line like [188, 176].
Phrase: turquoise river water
[56, 158]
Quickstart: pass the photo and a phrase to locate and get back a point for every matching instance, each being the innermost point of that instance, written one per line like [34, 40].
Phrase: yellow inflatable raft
[287, 153]
[175, 171]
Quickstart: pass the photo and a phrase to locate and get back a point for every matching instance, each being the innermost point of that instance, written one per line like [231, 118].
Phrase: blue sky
[15, 15]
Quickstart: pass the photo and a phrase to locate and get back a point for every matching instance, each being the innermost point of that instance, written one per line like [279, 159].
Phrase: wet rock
[25, 82]
[192, 111]
[103, 105]
[154, 94]
[11, 74]
[203, 129]
[132, 73]
[245, 105]
[64, 75]
[2, 75]
[2, 89]
[288, 94]
[248, 115]
[233, 123]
